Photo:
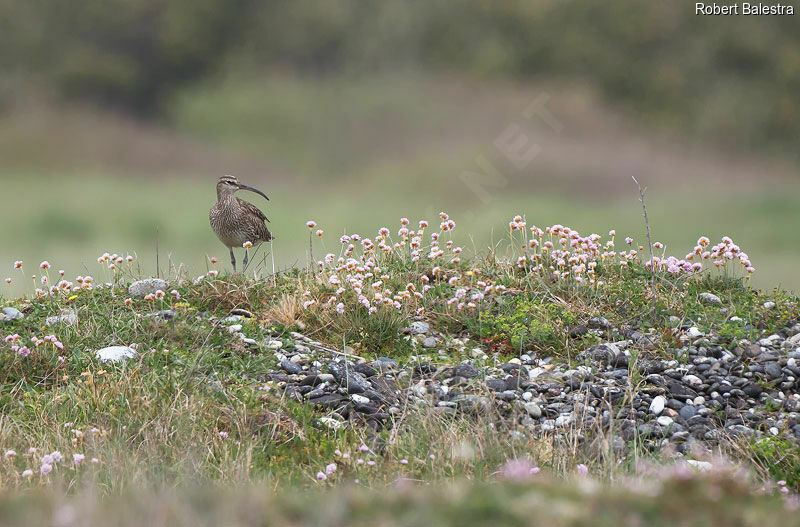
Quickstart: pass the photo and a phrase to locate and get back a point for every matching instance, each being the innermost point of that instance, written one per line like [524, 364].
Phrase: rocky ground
[703, 392]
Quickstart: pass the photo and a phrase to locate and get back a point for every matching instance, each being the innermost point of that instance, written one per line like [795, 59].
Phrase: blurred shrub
[729, 78]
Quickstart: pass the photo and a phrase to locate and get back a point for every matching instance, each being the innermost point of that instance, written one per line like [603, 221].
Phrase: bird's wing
[252, 209]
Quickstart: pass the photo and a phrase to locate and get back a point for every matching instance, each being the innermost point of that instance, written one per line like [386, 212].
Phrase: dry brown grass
[287, 311]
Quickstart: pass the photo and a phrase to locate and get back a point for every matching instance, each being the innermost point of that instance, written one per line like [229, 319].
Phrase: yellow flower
[73, 297]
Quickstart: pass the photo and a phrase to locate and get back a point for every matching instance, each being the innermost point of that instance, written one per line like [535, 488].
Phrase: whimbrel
[237, 221]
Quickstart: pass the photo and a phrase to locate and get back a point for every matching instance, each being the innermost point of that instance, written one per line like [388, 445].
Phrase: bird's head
[227, 185]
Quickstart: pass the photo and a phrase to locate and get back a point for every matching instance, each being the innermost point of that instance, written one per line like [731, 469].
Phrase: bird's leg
[244, 264]
[233, 259]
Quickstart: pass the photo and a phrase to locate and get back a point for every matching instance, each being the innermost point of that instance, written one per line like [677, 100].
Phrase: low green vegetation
[193, 405]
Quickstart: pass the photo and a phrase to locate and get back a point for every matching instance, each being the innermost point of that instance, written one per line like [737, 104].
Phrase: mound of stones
[704, 393]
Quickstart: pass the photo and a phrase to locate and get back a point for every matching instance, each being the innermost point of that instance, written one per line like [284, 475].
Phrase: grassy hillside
[203, 400]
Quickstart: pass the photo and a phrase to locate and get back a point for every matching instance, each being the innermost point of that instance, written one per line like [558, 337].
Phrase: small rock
[709, 298]
[144, 287]
[464, 370]
[360, 399]
[598, 323]
[386, 363]
[115, 353]
[348, 378]
[533, 409]
[67, 316]
[769, 304]
[272, 344]
[694, 380]
[11, 313]
[664, 420]
[164, 314]
[694, 333]
[291, 367]
[773, 370]
[577, 330]
[688, 411]
[702, 466]
[241, 312]
[419, 328]
[657, 406]
[429, 343]
[563, 420]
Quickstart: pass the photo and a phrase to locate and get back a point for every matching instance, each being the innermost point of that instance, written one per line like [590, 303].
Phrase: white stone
[360, 399]
[695, 333]
[533, 409]
[234, 328]
[11, 313]
[420, 328]
[535, 372]
[144, 287]
[694, 380]
[67, 316]
[658, 404]
[769, 304]
[664, 420]
[115, 354]
[563, 420]
[709, 298]
[702, 466]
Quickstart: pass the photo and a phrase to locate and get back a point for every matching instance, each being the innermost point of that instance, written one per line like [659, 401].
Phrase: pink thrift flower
[46, 469]
[582, 469]
[517, 470]
[330, 469]
[321, 476]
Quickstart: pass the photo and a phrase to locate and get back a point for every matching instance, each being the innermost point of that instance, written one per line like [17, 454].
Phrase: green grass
[188, 411]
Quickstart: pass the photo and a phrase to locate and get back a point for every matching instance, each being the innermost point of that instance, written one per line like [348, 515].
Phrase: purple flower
[330, 469]
[518, 470]
[582, 469]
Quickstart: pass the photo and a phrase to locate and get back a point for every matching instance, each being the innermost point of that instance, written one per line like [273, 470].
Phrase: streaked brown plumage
[236, 221]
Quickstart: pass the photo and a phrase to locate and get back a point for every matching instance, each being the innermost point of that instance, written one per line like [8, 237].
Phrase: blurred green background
[116, 118]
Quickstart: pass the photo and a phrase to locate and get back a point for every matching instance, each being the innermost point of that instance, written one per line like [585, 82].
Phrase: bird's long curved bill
[251, 189]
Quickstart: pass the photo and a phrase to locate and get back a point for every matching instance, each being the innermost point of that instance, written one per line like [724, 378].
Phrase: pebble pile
[705, 392]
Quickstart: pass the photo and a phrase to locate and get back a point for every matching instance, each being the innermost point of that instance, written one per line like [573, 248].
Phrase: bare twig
[158, 271]
[650, 244]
